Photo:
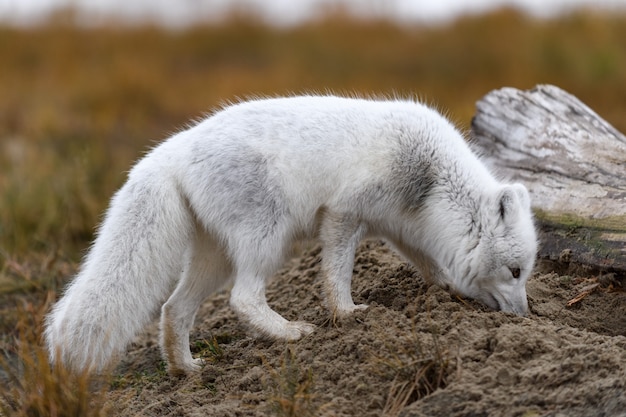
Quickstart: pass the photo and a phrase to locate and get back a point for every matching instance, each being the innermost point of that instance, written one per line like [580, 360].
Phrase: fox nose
[519, 307]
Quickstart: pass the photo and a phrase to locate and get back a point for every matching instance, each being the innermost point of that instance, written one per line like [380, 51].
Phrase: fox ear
[522, 193]
[508, 202]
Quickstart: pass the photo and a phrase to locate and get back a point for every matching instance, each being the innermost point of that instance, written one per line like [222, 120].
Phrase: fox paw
[348, 310]
[297, 329]
[186, 368]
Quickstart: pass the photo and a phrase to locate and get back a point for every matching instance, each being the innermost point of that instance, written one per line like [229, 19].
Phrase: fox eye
[516, 272]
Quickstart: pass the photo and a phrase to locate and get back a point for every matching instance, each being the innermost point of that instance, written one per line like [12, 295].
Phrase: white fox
[228, 197]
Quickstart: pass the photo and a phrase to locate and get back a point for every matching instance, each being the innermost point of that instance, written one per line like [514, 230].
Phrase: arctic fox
[227, 198]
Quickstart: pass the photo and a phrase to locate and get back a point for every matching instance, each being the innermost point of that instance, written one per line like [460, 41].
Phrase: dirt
[416, 351]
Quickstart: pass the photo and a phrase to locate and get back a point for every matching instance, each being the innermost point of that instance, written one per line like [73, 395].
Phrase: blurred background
[86, 87]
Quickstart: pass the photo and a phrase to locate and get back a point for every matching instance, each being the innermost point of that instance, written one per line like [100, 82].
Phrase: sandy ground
[416, 351]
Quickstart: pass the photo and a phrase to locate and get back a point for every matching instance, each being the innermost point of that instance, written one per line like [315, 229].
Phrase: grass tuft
[209, 350]
[292, 388]
[138, 380]
[417, 372]
[32, 387]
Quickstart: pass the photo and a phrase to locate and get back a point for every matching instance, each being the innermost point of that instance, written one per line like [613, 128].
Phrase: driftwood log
[574, 166]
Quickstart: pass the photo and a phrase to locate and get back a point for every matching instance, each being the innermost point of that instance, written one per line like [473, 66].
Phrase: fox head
[497, 268]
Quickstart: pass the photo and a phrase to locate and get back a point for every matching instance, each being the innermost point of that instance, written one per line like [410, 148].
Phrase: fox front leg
[340, 235]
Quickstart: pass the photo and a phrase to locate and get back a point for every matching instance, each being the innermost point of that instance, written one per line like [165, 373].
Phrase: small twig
[583, 293]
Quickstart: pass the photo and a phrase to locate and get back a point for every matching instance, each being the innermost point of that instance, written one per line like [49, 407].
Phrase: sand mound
[416, 351]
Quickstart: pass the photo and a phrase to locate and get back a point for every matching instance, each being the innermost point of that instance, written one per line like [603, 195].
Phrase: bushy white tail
[126, 276]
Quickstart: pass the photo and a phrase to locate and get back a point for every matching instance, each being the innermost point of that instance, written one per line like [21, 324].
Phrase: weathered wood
[574, 165]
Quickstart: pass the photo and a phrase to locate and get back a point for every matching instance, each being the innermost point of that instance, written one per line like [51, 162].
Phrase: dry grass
[292, 388]
[417, 370]
[32, 387]
[208, 349]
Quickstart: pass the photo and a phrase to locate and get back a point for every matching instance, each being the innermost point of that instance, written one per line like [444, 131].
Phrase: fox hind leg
[207, 269]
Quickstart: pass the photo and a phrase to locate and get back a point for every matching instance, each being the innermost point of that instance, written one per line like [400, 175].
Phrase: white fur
[228, 198]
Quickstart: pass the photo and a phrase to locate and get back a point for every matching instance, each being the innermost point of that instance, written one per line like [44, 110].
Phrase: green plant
[139, 379]
[209, 350]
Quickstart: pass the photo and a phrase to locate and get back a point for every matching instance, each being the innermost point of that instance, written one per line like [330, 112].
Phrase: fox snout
[520, 307]
[514, 303]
